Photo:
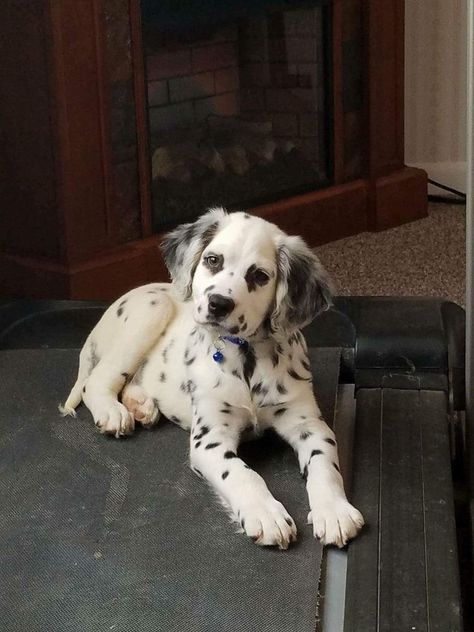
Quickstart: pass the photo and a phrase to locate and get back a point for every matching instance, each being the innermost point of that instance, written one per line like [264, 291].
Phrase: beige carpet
[424, 258]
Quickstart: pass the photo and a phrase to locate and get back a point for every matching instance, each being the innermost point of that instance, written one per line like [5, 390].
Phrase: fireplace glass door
[238, 103]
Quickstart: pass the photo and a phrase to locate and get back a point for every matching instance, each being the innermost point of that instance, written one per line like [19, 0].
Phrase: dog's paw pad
[114, 419]
[335, 522]
[268, 523]
[142, 408]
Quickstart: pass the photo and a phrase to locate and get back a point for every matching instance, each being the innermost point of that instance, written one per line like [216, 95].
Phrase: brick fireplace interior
[238, 110]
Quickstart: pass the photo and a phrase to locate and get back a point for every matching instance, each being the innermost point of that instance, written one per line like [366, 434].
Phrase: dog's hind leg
[130, 328]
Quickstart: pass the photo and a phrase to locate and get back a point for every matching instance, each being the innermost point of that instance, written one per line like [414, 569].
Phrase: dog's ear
[303, 286]
[182, 248]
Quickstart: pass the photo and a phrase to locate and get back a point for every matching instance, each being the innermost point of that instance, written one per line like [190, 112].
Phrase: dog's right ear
[183, 247]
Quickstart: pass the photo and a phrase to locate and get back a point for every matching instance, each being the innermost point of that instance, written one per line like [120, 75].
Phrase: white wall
[435, 88]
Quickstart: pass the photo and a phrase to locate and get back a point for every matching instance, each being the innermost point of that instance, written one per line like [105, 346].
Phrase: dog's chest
[256, 377]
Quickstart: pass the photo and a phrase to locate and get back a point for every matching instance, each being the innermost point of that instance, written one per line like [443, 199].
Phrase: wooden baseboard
[319, 217]
[398, 198]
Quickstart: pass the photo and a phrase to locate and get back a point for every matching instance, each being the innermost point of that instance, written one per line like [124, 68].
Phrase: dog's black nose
[220, 306]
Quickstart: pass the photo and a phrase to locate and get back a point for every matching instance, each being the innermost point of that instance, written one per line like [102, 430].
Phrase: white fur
[153, 350]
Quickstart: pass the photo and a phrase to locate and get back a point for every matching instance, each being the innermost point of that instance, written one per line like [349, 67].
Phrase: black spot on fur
[198, 421]
[242, 523]
[125, 375]
[304, 435]
[226, 411]
[315, 453]
[209, 288]
[119, 311]
[289, 522]
[250, 278]
[302, 416]
[241, 319]
[280, 411]
[224, 474]
[329, 440]
[292, 373]
[281, 388]
[211, 446]
[83, 389]
[279, 348]
[257, 388]
[306, 365]
[305, 471]
[337, 467]
[235, 329]
[189, 362]
[152, 302]
[246, 216]
[199, 309]
[162, 377]
[244, 327]
[249, 362]
[204, 431]
[235, 373]
[152, 292]
[230, 455]
[198, 472]
[275, 359]
[196, 445]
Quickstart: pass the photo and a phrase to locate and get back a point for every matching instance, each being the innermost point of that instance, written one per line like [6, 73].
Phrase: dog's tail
[75, 396]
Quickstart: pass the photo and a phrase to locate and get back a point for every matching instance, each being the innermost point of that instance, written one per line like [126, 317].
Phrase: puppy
[219, 351]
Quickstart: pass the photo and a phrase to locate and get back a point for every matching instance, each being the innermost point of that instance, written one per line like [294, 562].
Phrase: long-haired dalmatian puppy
[219, 351]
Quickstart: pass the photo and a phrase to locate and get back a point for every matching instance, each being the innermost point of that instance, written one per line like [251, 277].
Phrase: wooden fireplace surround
[60, 233]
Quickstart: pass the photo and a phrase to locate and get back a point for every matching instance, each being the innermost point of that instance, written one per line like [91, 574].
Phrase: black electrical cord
[460, 197]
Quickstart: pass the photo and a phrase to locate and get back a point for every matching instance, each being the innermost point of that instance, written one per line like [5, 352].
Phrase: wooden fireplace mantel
[75, 219]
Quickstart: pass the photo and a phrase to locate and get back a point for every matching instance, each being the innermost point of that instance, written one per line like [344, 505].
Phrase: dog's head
[243, 273]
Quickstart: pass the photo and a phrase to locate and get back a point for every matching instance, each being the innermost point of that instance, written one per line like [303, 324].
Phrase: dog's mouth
[220, 327]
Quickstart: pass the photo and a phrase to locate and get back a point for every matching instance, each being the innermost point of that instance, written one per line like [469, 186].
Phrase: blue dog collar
[219, 344]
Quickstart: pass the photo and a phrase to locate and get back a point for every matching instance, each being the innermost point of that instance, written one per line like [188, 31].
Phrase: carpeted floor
[423, 258]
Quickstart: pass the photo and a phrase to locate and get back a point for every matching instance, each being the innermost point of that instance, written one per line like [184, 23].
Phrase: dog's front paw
[335, 521]
[268, 523]
[114, 418]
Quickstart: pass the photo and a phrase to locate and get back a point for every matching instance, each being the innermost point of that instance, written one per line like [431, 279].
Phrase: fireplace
[121, 118]
[238, 110]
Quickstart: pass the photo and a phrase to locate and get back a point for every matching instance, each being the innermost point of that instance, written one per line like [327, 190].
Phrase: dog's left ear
[303, 289]
[182, 248]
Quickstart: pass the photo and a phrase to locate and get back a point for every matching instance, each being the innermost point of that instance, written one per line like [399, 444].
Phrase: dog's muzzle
[219, 306]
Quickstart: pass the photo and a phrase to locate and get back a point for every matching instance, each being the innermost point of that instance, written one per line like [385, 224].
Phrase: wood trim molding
[141, 114]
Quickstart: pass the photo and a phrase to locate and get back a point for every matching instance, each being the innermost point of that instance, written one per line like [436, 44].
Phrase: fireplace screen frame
[239, 111]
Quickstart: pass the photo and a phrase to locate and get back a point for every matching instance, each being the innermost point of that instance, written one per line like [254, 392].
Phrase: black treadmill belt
[402, 570]
[101, 534]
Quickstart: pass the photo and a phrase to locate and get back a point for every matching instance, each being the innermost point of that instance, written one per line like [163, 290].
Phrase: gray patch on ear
[183, 247]
[304, 288]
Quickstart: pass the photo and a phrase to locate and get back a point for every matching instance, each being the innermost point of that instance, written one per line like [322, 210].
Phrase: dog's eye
[212, 261]
[261, 277]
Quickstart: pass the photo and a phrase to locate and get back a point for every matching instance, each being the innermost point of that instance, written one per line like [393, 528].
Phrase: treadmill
[101, 534]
